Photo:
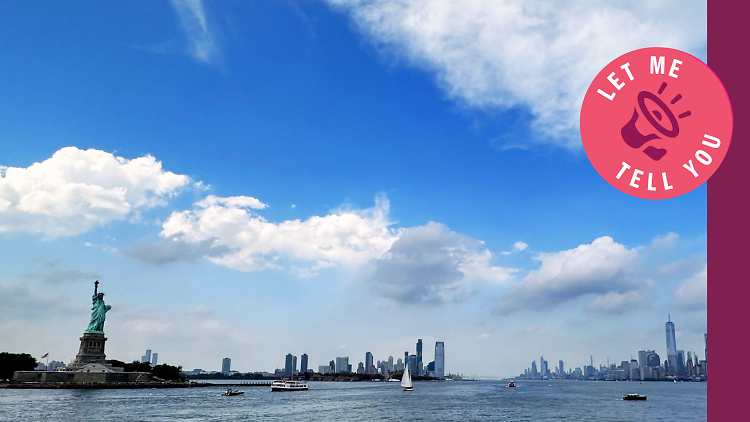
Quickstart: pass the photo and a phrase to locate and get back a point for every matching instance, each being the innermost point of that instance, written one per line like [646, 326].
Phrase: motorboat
[634, 397]
[512, 383]
[231, 392]
[406, 380]
[287, 385]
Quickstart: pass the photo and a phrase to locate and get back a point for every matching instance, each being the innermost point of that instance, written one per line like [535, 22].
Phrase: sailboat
[406, 380]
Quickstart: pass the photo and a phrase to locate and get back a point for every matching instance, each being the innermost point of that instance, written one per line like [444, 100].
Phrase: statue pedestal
[91, 350]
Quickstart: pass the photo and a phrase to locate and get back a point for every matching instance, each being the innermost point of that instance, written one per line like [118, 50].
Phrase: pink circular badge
[656, 123]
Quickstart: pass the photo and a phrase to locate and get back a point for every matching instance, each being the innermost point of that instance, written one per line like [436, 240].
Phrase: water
[362, 401]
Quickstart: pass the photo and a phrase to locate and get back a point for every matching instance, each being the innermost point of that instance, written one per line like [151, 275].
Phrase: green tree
[136, 366]
[11, 362]
[168, 372]
[115, 363]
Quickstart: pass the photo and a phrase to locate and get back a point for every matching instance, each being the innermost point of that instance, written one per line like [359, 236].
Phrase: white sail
[406, 378]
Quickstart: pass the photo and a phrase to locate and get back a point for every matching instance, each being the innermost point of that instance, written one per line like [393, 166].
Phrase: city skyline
[376, 184]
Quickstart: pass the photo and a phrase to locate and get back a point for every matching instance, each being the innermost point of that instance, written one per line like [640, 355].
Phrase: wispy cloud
[201, 38]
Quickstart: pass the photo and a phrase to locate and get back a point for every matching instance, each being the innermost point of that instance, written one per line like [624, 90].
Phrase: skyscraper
[288, 362]
[419, 356]
[294, 365]
[368, 363]
[154, 359]
[342, 364]
[147, 356]
[705, 339]
[439, 359]
[226, 365]
[399, 364]
[413, 364]
[561, 369]
[671, 346]
[303, 363]
[543, 366]
[533, 369]
[390, 363]
[331, 367]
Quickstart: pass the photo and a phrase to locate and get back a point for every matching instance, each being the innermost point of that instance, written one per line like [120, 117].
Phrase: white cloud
[620, 302]
[250, 242]
[520, 246]
[693, 292]
[231, 202]
[431, 264]
[484, 336]
[543, 54]
[517, 247]
[202, 44]
[600, 268]
[75, 190]
[665, 242]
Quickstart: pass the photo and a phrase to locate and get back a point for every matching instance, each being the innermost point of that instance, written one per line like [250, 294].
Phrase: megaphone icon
[635, 139]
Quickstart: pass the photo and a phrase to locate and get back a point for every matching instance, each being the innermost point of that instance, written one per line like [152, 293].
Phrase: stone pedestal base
[91, 350]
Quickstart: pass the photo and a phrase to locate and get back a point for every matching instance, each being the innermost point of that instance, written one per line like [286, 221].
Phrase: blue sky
[325, 113]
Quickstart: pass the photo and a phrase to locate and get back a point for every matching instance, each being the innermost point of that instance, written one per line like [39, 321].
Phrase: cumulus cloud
[239, 238]
[432, 264]
[173, 249]
[517, 247]
[541, 54]
[601, 268]
[692, 294]
[75, 190]
[665, 242]
[202, 44]
[620, 302]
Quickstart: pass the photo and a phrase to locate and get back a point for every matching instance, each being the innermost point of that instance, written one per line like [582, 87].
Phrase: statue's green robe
[98, 313]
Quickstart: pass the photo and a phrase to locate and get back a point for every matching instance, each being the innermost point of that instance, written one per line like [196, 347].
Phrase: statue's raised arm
[98, 311]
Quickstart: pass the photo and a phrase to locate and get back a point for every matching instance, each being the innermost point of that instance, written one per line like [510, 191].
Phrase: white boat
[285, 385]
[406, 380]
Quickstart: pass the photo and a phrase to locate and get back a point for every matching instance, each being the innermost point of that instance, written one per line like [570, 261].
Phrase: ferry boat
[286, 385]
[512, 383]
[634, 397]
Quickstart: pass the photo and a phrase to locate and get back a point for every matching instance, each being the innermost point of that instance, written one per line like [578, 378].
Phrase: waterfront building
[671, 346]
[342, 364]
[533, 369]
[361, 368]
[419, 356]
[154, 359]
[303, 363]
[288, 362]
[294, 365]
[331, 367]
[323, 369]
[561, 371]
[439, 359]
[399, 364]
[368, 363]
[390, 363]
[543, 367]
[413, 368]
[226, 365]
[147, 357]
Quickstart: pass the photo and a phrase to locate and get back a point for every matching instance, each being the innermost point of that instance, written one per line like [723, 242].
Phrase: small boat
[634, 397]
[406, 380]
[285, 385]
[231, 392]
[512, 383]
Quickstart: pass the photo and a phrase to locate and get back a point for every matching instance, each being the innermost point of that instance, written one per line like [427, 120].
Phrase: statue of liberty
[98, 311]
